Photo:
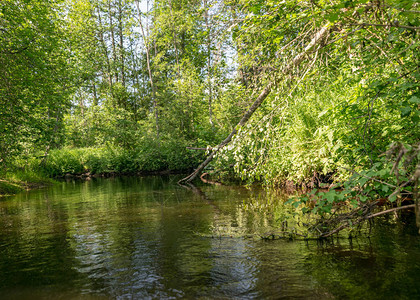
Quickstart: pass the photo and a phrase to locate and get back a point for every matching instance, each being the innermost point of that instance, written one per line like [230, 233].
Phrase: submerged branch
[364, 218]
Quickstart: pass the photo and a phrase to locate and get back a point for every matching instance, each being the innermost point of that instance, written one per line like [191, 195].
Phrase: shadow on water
[147, 237]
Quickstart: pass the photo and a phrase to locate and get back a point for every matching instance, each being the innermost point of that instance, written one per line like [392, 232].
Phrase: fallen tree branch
[260, 99]
[327, 234]
[390, 210]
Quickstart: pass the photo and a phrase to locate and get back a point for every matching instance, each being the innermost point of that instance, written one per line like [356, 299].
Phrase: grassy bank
[15, 181]
[149, 158]
[105, 160]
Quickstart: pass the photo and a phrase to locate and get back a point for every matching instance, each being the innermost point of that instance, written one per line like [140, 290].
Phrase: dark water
[147, 238]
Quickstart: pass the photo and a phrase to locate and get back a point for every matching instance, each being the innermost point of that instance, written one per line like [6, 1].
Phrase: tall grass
[149, 157]
[16, 180]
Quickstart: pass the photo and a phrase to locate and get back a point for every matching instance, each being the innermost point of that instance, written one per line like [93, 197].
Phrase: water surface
[148, 238]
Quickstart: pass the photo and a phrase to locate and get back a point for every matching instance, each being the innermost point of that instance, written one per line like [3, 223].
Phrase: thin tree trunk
[47, 148]
[111, 28]
[263, 95]
[95, 96]
[209, 73]
[416, 180]
[101, 36]
[81, 105]
[136, 81]
[174, 40]
[120, 29]
[146, 46]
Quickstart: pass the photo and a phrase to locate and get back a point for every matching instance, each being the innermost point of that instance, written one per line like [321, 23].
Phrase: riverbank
[105, 161]
[88, 162]
[15, 182]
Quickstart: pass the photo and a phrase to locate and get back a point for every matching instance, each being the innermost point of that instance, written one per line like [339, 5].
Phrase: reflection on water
[136, 238]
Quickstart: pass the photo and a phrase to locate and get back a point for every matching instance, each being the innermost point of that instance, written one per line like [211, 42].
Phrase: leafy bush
[147, 156]
[63, 161]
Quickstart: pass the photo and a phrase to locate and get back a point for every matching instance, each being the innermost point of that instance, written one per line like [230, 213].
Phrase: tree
[35, 82]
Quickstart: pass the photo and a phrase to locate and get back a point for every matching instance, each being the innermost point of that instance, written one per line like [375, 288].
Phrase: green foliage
[343, 107]
[389, 179]
[64, 161]
[81, 85]
[147, 156]
[7, 188]
[16, 180]
[33, 76]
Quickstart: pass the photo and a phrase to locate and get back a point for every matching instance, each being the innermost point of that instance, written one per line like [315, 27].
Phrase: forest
[319, 95]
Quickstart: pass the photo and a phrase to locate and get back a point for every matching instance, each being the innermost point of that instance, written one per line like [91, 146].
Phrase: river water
[148, 238]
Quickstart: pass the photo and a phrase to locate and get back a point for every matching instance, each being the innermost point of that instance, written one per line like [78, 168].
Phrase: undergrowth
[150, 157]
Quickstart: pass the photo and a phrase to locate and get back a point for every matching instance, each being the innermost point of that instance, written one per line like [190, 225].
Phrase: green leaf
[383, 172]
[290, 201]
[405, 111]
[362, 181]
[414, 99]
[330, 197]
[392, 198]
[332, 17]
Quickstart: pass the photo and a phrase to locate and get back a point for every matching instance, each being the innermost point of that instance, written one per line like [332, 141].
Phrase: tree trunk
[95, 96]
[174, 41]
[416, 180]
[101, 36]
[121, 45]
[111, 28]
[136, 82]
[146, 46]
[263, 95]
[209, 73]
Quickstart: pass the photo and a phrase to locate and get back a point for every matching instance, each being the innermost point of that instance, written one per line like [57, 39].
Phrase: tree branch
[260, 99]
[327, 234]
[396, 24]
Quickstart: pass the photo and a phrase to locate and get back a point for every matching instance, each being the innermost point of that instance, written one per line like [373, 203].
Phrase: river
[148, 238]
